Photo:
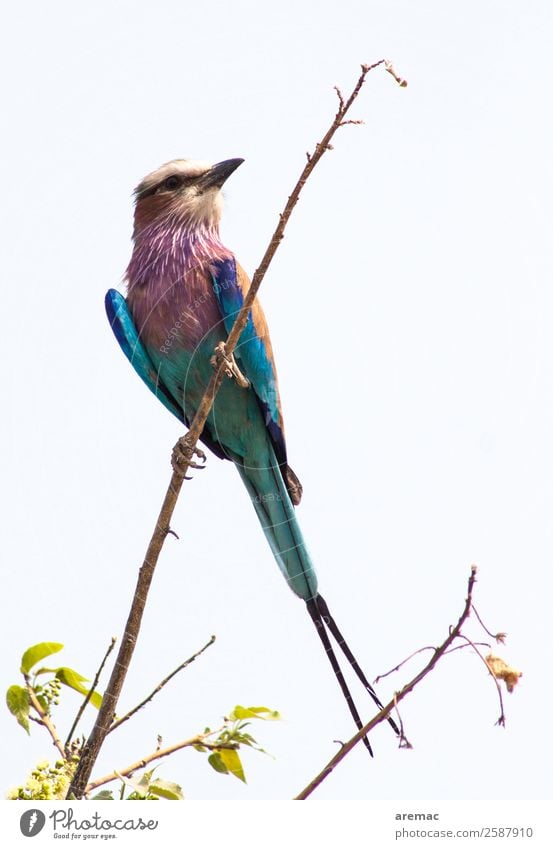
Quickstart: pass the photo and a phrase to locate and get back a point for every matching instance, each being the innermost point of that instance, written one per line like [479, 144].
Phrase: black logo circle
[32, 822]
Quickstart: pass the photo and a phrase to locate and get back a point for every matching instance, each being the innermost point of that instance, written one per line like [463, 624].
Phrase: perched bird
[184, 289]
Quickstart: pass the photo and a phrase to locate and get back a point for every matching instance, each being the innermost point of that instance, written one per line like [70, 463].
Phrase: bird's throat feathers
[169, 282]
[165, 250]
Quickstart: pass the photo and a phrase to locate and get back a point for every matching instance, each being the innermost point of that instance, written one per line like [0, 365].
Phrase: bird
[184, 289]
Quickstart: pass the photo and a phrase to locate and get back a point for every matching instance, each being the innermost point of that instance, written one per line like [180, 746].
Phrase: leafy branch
[223, 744]
[35, 702]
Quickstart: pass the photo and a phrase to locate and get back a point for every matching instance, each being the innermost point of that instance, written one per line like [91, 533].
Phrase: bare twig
[501, 720]
[403, 741]
[386, 710]
[500, 637]
[113, 690]
[419, 651]
[399, 80]
[466, 646]
[197, 740]
[403, 662]
[161, 685]
[89, 694]
[44, 720]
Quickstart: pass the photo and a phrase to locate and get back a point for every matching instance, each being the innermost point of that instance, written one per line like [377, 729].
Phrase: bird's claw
[181, 458]
[230, 365]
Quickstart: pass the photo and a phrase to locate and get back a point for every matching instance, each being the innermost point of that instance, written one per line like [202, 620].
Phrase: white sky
[415, 277]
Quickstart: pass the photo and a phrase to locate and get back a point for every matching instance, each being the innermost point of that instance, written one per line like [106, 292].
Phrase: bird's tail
[276, 513]
[269, 495]
[326, 625]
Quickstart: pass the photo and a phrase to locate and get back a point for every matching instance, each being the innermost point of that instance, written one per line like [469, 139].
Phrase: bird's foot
[231, 366]
[183, 454]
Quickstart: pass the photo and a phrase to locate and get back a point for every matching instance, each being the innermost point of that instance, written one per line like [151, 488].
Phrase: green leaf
[245, 740]
[231, 760]
[36, 653]
[142, 784]
[74, 680]
[43, 703]
[166, 789]
[65, 674]
[240, 712]
[17, 700]
[104, 794]
[216, 762]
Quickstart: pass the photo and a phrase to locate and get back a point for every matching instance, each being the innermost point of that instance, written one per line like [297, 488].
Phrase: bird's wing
[125, 332]
[254, 353]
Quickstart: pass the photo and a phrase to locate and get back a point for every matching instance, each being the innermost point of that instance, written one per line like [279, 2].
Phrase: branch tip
[402, 83]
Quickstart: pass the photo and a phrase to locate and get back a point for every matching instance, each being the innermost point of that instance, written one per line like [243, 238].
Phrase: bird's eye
[172, 182]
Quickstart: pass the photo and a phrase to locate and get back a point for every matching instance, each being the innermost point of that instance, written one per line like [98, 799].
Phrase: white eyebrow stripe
[182, 167]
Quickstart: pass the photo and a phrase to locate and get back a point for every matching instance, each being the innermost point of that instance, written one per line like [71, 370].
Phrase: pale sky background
[415, 276]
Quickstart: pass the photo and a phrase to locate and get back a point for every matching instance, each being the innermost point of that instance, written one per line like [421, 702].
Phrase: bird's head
[187, 191]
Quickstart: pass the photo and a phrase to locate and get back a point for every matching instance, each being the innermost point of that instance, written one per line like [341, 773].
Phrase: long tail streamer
[323, 620]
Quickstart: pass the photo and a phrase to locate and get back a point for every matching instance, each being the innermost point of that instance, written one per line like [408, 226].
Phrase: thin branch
[419, 651]
[403, 662]
[386, 710]
[161, 685]
[44, 720]
[399, 80]
[89, 694]
[197, 740]
[403, 741]
[501, 720]
[466, 646]
[111, 696]
[500, 637]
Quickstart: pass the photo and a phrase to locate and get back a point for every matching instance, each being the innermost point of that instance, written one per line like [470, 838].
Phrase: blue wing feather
[251, 351]
[123, 326]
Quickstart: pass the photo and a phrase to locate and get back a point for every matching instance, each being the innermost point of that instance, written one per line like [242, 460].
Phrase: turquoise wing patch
[125, 332]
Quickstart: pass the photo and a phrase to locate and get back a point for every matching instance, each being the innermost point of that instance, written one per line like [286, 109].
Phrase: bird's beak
[218, 174]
